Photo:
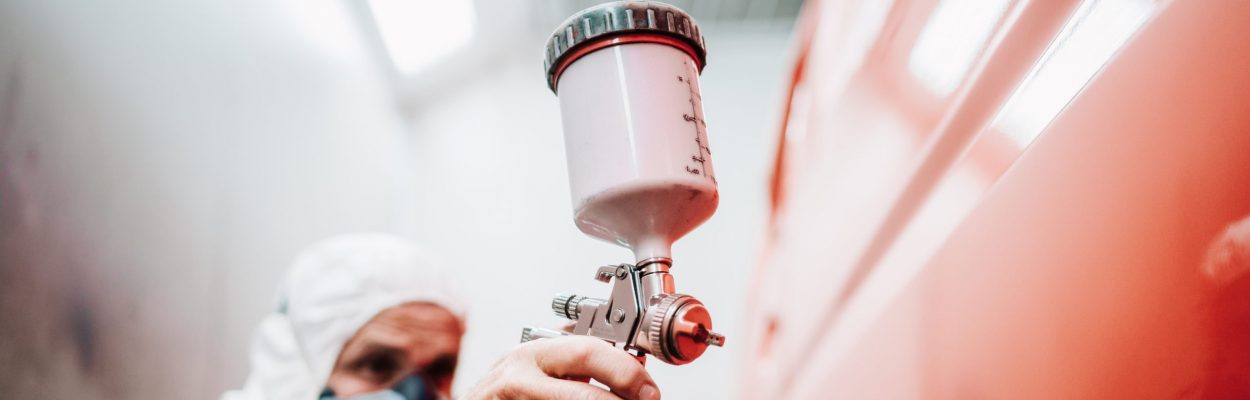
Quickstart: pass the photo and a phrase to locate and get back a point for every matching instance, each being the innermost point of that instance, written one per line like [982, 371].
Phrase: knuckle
[528, 351]
[580, 359]
[588, 393]
[581, 351]
[637, 375]
[507, 390]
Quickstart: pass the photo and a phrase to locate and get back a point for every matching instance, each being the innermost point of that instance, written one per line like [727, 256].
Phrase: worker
[371, 316]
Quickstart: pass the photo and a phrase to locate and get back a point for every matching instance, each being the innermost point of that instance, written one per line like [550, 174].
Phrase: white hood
[334, 288]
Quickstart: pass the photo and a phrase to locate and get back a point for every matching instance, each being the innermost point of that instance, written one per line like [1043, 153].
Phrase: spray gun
[627, 77]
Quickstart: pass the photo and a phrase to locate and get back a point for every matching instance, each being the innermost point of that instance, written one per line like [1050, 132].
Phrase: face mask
[411, 388]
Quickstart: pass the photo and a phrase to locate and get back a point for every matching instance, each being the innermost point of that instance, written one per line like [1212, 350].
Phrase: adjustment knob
[565, 306]
[569, 306]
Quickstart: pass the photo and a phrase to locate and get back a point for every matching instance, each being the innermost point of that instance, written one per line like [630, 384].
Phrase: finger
[558, 389]
[582, 356]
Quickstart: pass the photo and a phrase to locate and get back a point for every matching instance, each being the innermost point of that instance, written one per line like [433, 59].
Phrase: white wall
[161, 163]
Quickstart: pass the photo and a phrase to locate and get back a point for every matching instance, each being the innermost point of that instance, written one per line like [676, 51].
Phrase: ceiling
[506, 32]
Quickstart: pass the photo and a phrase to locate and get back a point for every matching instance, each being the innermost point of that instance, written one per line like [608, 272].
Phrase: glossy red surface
[1013, 199]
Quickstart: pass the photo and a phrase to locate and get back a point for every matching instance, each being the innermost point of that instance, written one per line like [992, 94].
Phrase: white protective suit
[333, 288]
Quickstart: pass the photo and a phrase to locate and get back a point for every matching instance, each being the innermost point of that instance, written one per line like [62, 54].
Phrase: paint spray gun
[627, 77]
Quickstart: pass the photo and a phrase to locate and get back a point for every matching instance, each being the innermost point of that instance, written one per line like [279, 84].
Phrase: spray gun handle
[531, 333]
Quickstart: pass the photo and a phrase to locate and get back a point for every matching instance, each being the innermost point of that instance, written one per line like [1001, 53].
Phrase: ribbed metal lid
[620, 17]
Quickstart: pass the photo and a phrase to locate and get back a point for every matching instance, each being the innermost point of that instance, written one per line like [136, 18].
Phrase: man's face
[402, 340]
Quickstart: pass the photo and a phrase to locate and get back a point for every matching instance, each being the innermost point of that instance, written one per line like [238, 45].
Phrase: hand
[559, 368]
